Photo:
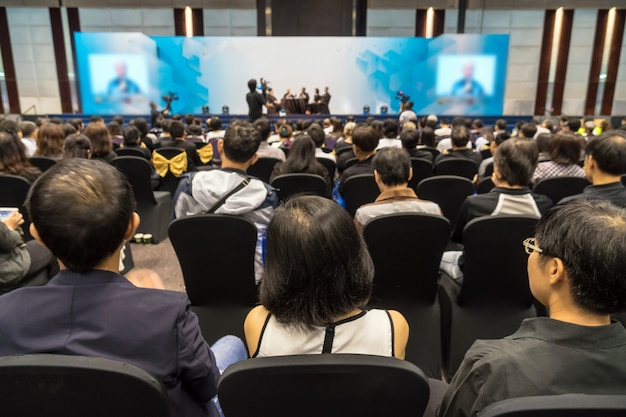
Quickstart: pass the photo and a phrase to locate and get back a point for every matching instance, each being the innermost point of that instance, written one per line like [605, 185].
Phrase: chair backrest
[330, 165]
[217, 157]
[406, 263]
[421, 169]
[137, 170]
[486, 153]
[291, 184]
[359, 190]
[484, 186]
[13, 194]
[350, 162]
[170, 181]
[216, 254]
[448, 191]
[494, 270]
[130, 152]
[76, 386]
[624, 179]
[262, 168]
[343, 150]
[558, 188]
[566, 405]
[206, 157]
[337, 385]
[42, 162]
[433, 151]
[456, 166]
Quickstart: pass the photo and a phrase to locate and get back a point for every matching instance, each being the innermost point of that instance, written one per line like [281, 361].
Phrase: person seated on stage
[316, 133]
[316, 287]
[264, 127]
[390, 135]
[288, 94]
[101, 143]
[83, 212]
[303, 94]
[410, 139]
[460, 138]
[252, 199]
[132, 140]
[365, 140]
[392, 171]
[272, 103]
[565, 150]
[176, 130]
[604, 166]
[575, 271]
[302, 160]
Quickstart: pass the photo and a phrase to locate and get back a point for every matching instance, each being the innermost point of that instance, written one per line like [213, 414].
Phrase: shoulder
[253, 327]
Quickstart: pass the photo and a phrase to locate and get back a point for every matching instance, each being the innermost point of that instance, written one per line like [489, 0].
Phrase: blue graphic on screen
[121, 73]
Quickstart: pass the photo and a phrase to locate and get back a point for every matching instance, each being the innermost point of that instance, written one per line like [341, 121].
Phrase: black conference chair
[216, 254]
[350, 162]
[558, 188]
[359, 190]
[130, 152]
[461, 167]
[291, 184]
[422, 169]
[624, 179]
[494, 297]
[170, 181]
[330, 165]
[13, 194]
[433, 151]
[566, 405]
[154, 207]
[77, 386]
[489, 170]
[448, 191]
[484, 186]
[203, 153]
[262, 169]
[407, 271]
[337, 385]
[42, 162]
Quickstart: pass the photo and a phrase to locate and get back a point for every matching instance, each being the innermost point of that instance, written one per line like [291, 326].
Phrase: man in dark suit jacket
[83, 211]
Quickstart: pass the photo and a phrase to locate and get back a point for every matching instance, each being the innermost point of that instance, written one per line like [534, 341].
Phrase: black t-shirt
[255, 105]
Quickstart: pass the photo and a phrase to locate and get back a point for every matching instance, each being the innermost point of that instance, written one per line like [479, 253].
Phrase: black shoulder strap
[222, 200]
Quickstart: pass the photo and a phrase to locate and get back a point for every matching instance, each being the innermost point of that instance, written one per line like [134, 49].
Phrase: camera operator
[255, 101]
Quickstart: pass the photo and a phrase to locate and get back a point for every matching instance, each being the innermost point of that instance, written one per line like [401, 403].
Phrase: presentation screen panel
[121, 73]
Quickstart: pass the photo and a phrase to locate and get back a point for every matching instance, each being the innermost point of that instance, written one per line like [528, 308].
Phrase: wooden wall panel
[60, 58]
[596, 62]
[73, 21]
[613, 65]
[8, 63]
[543, 78]
[562, 59]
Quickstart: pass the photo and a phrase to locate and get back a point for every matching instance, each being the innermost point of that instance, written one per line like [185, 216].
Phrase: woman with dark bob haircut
[316, 286]
[565, 150]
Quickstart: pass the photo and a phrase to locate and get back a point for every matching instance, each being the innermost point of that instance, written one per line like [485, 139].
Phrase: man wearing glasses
[577, 269]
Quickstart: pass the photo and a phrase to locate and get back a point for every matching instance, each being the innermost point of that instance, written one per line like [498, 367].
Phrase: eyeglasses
[530, 246]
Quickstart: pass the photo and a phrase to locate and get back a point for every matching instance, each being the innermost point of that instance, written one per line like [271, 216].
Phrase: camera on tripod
[402, 97]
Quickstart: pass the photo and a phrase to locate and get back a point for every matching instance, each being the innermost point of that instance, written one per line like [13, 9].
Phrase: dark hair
[542, 141]
[609, 152]
[100, 139]
[10, 126]
[377, 125]
[241, 141]
[460, 136]
[264, 127]
[13, 158]
[589, 236]
[142, 125]
[516, 160]
[458, 121]
[81, 210]
[410, 138]
[365, 138]
[194, 130]
[177, 129]
[573, 123]
[252, 84]
[316, 133]
[427, 137]
[501, 137]
[501, 124]
[477, 124]
[393, 166]
[77, 123]
[188, 119]
[301, 157]
[96, 119]
[529, 130]
[115, 128]
[214, 123]
[390, 128]
[68, 129]
[77, 146]
[28, 128]
[50, 140]
[318, 267]
[131, 136]
[565, 148]
[119, 120]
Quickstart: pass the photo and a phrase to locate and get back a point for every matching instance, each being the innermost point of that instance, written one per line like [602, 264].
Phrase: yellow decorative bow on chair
[206, 153]
[177, 165]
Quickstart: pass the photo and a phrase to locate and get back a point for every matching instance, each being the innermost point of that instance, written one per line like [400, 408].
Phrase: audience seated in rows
[210, 191]
[390, 135]
[145, 137]
[343, 148]
[264, 127]
[302, 160]
[460, 138]
[573, 270]
[177, 140]
[29, 137]
[50, 139]
[493, 146]
[392, 172]
[565, 150]
[316, 133]
[100, 138]
[365, 140]
[410, 138]
[13, 159]
[77, 146]
[317, 284]
[132, 140]
[445, 144]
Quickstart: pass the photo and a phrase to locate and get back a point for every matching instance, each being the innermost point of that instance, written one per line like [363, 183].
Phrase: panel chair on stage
[170, 164]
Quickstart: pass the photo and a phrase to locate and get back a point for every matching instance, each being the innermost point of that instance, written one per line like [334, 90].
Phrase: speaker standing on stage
[255, 101]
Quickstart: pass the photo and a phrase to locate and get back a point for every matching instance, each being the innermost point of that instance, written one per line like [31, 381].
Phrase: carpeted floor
[162, 259]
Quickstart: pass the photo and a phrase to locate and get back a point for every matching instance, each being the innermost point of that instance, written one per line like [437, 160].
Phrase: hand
[14, 220]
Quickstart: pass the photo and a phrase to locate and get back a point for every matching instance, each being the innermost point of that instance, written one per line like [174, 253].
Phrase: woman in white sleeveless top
[317, 283]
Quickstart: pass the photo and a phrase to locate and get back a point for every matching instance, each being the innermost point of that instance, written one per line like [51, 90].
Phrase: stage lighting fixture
[205, 109]
[366, 109]
[225, 110]
[384, 110]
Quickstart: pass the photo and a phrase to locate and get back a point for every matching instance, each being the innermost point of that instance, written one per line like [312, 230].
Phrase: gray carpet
[162, 259]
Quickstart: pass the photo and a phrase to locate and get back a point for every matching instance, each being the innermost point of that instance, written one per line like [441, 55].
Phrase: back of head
[565, 148]
[241, 141]
[50, 140]
[529, 130]
[543, 139]
[193, 130]
[188, 119]
[77, 146]
[28, 128]
[68, 129]
[390, 128]
[142, 125]
[410, 138]
[81, 210]
[285, 131]
[458, 121]
[96, 119]
[301, 155]
[316, 133]
[348, 129]
[131, 136]
[119, 120]
[100, 139]
[427, 137]
[365, 138]
[264, 127]
[215, 123]
[609, 152]
[10, 126]
[573, 123]
[477, 124]
[13, 156]
[318, 267]
[501, 137]
[393, 166]
[177, 129]
[589, 236]
[516, 160]
[460, 136]
[501, 124]
[114, 129]
[251, 84]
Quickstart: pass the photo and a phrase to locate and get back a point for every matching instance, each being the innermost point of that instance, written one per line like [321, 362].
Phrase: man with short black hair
[576, 271]
[528, 131]
[390, 135]
[177, 140]
[392, 172]
[410, 139]
[229, 190]
[460, 138]
[364, 143]
[316, 133]
[29, 137]
[605, 164]
[255, 101]
[264, 127]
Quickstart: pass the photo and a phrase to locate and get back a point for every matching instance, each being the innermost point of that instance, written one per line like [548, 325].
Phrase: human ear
[133, 224]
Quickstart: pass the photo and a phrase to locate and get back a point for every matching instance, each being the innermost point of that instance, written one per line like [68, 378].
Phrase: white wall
[388, 22]
[230, 22]
[152, 22]
[33, 54]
